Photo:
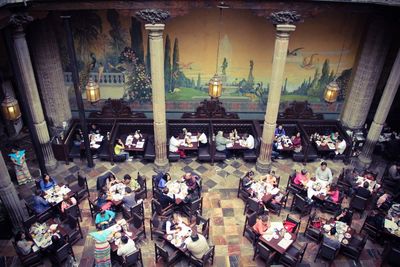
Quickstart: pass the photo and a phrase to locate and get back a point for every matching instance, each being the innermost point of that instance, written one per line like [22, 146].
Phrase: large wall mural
[112, 47]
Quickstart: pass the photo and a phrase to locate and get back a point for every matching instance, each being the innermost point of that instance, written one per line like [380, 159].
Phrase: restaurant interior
[200, 133]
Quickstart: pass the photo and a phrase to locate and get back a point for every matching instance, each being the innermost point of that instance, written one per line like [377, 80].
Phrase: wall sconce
[10, 108]
[92, 91]
[331, 92]
[215, 87]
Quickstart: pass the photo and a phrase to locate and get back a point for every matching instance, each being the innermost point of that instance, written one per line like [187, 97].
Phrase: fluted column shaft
[47, 63]
[32, 94]
[365, 76]
[158, 91]
[9, 196]
[385, 103]
[274, 95]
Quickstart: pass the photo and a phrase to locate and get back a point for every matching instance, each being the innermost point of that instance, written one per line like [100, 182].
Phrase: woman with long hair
[21, 169]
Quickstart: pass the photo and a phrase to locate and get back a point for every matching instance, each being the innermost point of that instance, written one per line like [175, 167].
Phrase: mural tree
[198, 85]
[167, 64]
[148, 62]
[86, 26]
[137, 82]
[178, 77]
[117, 38]
[137, 39]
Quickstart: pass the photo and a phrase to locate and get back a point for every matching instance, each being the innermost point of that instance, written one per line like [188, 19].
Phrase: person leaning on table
[104, 219]
[324, 174]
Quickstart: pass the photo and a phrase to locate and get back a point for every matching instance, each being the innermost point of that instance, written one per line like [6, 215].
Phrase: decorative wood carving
[153, 16]
[300, 110]
[116, 108]
[284, 17]
[20, 19]
[210, 109]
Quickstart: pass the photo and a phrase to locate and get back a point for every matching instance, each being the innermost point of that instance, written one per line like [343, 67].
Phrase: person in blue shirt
[279, 131]
[47, 183]
[104, 219]
[164, 180]
[39, 204]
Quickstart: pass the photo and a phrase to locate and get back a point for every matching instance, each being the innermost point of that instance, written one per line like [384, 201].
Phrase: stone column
[365, 76]
[284, 22]
[155, 25]
[50, 77]
[23, 61]
[385, 103]
[9, 196]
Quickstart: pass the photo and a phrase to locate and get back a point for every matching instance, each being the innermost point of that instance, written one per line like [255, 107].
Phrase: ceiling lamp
[215, 84]
[10, 108]
[331, 92]
[92, 91]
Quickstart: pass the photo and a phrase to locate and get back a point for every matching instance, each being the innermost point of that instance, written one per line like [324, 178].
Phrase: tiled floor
[220, 204]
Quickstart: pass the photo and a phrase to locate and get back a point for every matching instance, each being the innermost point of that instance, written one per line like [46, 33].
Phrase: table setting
[277, 237]
[179, 189]
[179, 236]
[56, 194]
[41, 234]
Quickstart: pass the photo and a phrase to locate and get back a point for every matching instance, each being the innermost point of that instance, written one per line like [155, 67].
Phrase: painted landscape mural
[112, 46]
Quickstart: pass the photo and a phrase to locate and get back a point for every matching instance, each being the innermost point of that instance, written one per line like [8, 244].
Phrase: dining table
[133, 144]
[95, 141]
[373, 185]
[326, 145]
[316, 190]
[41, 233]
[285, 144]
[55, 195]
[178, 237]
[264, 191]
[193, 145]
[277, 238]
[177, 188]
[344, 233]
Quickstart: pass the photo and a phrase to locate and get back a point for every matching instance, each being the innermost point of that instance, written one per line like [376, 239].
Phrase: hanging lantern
[10, 108]
[92, 91]
[331, 92]
[215, 87]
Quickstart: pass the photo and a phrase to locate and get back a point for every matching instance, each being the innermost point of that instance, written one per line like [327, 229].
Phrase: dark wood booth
[65, 149]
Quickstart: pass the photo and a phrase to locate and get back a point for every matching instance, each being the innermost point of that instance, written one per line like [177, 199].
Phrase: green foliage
[262, 93]
[137, 39]
[137, 84]
[184, 93]
[224, 66]
[178, 77]
[167, 64]
[198, 85]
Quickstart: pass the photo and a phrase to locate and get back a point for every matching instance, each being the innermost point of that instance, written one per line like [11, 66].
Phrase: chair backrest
[278, 180]
[196, 204]
[311, 219]
[251, 219]
[133, 258]
[208, 255]
[300, 202]
[138, 208]
[161, 251]
[328, 252]
[263, 251]
[156, 206]
[137, 221]
[82, 181]
[293, 220]
[253, 205]
[358, 202]
[141, 181]
[72, 221]
[28, 222]
[155, 220]
[63, 252]
[94, 209]
[101, 180]
[73, 210]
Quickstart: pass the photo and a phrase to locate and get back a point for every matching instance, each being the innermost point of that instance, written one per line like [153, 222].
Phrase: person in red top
[333, 193]
[262, 224]
[301, 177]
[296, 140]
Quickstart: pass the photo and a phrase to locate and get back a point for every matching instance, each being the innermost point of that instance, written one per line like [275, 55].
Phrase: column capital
[153, 16]
[18, 21]
[285, 17]
[155, 30]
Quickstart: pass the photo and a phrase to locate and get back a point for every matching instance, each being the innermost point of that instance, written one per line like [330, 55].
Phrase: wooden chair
[194, 207]
[205, 225]
[137, 226]
[253, 205]
[168, 254]
[296, 222]
[312, 232]
[327, 252]
[142, 193]
[248, 231]
[80, 188]
[207, 257]
[133, 259]
[94, 209]
[359, 203]
[264, 253]
[157, 208]
[73, 229]
[300, 203]
[241, 192]
[277, 208]
[41, 217]
[32, 259]
[74, 211]
[371, 230]
[354, 249]
[62, 254]
[28, 222]
[156, 226]
[294, 255]
[390, 255]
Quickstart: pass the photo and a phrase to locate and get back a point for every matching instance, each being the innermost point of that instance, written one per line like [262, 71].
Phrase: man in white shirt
[202, 138]
[197, 245]
[324, 174]
[126, 246]
[249, 141]
[174, 147]
[340, 145]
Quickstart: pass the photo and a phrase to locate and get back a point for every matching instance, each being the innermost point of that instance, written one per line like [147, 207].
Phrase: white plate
[287, 236]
